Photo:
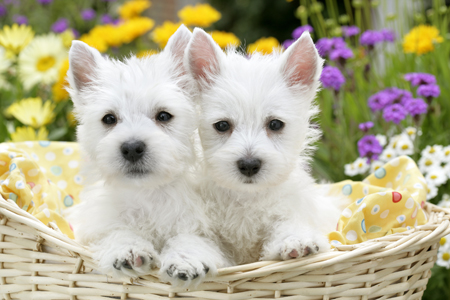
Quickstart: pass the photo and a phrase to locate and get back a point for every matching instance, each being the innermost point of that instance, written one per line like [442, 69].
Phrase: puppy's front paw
[294, 247]
[183, 271]
[135, 262]
[130, 260]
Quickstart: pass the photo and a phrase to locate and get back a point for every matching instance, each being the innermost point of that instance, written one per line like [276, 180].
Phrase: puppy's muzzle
[249, 166]
[133, 151]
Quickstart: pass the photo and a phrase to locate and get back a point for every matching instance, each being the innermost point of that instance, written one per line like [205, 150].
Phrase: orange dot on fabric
[422, 204]
[396, 197]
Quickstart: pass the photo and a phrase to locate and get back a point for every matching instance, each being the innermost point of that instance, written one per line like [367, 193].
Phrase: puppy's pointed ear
[83, 64]
[203, 57]
[178, 42]
[301, 63]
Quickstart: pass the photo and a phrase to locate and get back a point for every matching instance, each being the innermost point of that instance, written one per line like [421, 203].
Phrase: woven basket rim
[437, 226]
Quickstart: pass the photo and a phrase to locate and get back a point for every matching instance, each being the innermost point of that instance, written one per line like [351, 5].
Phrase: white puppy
[256, 135]
[136, 122]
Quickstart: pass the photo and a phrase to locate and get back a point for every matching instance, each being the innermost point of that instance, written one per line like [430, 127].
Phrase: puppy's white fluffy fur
[278, 213]
[136, 216]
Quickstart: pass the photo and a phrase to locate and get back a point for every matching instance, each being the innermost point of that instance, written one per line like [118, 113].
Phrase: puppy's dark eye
[222, 126]
[109, 119]
[275, 125]
[163, 116]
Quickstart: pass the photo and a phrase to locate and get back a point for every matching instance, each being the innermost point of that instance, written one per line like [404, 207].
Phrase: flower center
[388, 155]
[443, 241]
[432, 150]
[45, 63]
[360, 165]
[404, 147]
[428, 163]
[446, 256]
[433, 176]
[447, 153]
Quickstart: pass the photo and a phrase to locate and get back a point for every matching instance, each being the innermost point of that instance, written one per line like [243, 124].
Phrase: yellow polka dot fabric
[43, 178]
[389, 200]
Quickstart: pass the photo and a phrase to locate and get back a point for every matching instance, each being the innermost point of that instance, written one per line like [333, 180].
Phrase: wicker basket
[38, 262]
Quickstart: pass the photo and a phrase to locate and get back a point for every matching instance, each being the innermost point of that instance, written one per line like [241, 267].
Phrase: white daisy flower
[359, 166]
[404, 145]
[445, 202]
[427, 163]
[362, 165]
[444, 256]
[350, 170]
[436, 177]
[434, 151]
[375, 165]
[432, 191]
[381, 139]
[446, 154]
[5, 63]
[411, 132]
[445, 241]
[40, 61]
[388, 154]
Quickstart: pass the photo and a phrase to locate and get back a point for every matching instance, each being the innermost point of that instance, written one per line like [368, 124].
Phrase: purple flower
[365, 126]
[416, 106]
[378, 101]
[395, 113]
[19, 19]
[88, 14]
[45, 1]
[371, 37]
[428, 90]
[386, 97]
[297, 33]
[324, 46]
[349, 31]
[369, 147]
[287, 43]
[338, 42]
[61, 25]
[3, 10]
[106, 19]
[388, 35]
[331, 77]
[420, 78]
[341, 53]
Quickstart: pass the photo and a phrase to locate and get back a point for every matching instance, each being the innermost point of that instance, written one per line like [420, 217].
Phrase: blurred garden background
[385, 82]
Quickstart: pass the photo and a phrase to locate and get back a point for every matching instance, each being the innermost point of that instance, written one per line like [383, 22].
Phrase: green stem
[348, 8]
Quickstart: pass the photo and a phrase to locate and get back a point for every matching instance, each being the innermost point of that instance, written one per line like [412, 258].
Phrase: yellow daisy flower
[202, 15]
[16, 37]
[25, 134]
[421, 39]
[264, 46]
[95, 41]
[146, 53]
[134, 8]
[67, 37]
[134, 28]
[58, 89]
[39, 62]
[161, 34]
[32, 112]
[225, 39]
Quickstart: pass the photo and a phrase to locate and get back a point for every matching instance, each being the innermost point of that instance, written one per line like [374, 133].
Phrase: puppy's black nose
[249, 166]
[133, 151]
